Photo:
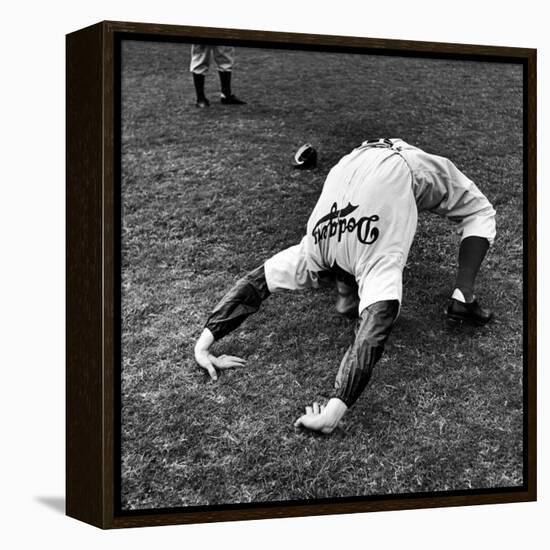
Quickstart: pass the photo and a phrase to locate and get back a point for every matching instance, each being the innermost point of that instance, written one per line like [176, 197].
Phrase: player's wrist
[334, 412]
[203, 345]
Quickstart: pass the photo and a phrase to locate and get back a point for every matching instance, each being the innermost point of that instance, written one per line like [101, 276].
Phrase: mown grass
[210, 194]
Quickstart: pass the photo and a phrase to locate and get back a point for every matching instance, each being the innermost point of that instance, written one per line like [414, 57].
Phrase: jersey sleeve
[286, 270]
[446, 191]
[358, 363]
[241, 301]
[289, 270]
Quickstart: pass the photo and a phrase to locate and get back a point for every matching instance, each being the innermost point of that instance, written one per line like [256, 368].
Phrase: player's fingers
[315, 408]
[236, 359]
[309, 410]
[298, 422]
[228, 362]
[231, 361]
[205, 362]
[212, 372]
[323, 407]
[230, 358]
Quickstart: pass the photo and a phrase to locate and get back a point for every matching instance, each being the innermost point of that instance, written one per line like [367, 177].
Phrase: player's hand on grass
[314, 419]
[204, 360]
[227, 361]
[210, 362]
[323, 418]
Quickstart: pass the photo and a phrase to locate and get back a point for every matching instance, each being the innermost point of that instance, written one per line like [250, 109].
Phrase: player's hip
[353, 231]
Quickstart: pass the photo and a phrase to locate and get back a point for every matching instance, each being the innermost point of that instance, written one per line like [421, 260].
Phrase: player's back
[365, 208]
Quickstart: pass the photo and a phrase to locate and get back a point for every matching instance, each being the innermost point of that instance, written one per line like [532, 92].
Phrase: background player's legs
[200, 60]
[227, 97]
[224, 57]
[198, 81]
[225, 82]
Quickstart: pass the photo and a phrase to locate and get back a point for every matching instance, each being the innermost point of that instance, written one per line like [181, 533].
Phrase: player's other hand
[323, 418]
[210, 362]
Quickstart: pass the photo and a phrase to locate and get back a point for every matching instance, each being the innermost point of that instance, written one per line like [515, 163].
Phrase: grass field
[210, 194]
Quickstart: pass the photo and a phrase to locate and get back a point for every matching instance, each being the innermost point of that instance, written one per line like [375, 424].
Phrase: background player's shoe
[231, 99]
[202, 103]
[471, 313]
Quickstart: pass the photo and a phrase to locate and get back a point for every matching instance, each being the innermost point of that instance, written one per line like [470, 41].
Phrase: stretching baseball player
[359, 234]
[224, 56]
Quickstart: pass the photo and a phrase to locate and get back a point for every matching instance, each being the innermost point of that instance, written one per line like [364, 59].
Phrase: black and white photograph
[273, 275]
[322, 275]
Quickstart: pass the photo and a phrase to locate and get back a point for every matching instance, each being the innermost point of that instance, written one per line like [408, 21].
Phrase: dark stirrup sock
[470, 255]
[225, 81]
[198, 81]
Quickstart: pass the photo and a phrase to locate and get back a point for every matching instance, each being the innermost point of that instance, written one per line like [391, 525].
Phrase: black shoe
[202, 103]
[471, 313]
[232, 100]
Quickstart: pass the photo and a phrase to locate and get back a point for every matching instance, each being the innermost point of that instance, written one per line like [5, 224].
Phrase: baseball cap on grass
[305, 157]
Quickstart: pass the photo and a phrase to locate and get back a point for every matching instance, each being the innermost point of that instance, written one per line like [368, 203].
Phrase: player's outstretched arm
[241, 301]
[358, 363]
[356, 368]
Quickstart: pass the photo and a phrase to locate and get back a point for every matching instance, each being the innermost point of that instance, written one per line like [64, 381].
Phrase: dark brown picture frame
[92, 169]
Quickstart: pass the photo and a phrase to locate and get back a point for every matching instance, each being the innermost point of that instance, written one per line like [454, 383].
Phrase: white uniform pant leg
[469, 207]
[224, 56]
[200, 58]
[481, 222]
[463, 202]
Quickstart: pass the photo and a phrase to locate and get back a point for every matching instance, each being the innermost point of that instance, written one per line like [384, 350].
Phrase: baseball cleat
[232, 100]
[471, 313]
[202, 103]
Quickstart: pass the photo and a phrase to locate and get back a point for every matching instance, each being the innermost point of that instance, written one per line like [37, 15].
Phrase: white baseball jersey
[365, 219]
